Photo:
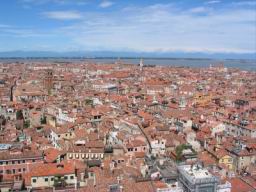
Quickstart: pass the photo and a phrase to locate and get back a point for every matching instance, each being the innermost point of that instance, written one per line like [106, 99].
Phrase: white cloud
[159, 27]
[167, 28]
[4, 26]
[63, 15]
[12, 31]
[105, 4]
[199, 10]
[245, 3]
[213, 2]
[59, 2]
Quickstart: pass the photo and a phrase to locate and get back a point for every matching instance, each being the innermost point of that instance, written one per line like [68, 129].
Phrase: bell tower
[48, 79]
[141, 64]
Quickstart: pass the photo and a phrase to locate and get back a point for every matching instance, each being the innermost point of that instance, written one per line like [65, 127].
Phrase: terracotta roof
[238, 185]
[52, 169]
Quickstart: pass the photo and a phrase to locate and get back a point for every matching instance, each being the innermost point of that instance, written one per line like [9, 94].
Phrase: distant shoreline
[116, 58]
[243, 64]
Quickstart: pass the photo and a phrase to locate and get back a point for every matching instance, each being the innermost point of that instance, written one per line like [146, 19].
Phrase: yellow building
[223, 157]
[51, 120]
[202, 100]
[226, 160]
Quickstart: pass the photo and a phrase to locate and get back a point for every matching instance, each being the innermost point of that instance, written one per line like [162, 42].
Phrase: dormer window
[60, 166]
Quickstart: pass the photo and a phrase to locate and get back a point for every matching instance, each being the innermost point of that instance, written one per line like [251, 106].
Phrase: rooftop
[196, 174]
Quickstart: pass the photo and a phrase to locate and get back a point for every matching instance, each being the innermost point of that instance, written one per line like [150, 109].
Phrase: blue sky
[212, 26]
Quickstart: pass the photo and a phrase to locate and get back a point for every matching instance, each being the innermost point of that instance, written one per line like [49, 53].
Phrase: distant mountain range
[91, 54]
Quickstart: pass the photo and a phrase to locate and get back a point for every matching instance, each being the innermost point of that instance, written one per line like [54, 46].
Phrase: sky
[209, 26]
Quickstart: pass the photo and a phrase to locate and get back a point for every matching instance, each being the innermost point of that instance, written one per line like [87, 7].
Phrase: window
[33, 160]
[24, 169]
[71, 177]
[19, 170]
[34, 180]
[66, 177]
[13, 171]
[46, 179]
[1, 163]
[52, 179]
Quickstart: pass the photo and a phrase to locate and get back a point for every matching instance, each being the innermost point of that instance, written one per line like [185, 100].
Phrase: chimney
[102, 166]
[121, 188]
[82, 176]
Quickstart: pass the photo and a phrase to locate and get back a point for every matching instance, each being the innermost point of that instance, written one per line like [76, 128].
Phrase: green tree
[27, 124]
[19, 115]
[179, 149]
[43, 120]
[88, 102]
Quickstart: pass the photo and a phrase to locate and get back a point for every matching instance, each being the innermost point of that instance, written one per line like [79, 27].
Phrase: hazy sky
[218, 26]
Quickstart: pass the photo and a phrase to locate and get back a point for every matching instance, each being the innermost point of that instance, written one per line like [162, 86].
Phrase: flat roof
[197, 174]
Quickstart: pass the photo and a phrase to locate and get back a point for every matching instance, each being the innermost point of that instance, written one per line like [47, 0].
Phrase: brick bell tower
[48, 79]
